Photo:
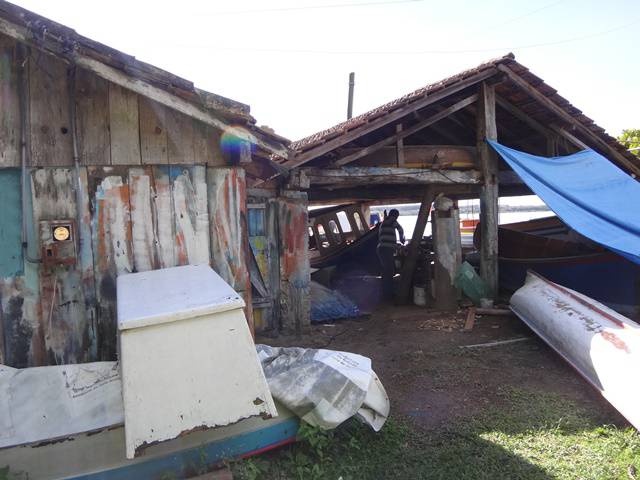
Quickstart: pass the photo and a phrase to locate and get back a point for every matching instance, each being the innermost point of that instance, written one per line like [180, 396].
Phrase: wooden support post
[486, 129]
[406, 275]
[400, 147]
[552, 145]
[448, 250]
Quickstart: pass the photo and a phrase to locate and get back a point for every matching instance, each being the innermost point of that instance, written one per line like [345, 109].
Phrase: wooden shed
[432, 141]
[109, 165]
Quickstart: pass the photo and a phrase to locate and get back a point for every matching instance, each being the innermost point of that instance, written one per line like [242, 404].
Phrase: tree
[630, 138]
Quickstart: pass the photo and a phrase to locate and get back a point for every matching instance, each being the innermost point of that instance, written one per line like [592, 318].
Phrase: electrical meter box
[58, 242]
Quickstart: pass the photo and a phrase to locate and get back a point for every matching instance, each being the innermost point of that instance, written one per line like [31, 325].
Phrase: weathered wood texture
[68, 333]
[49, 111]
[486, 129]
[367, 176]
[125, 130]
[409, 266]
[92, 107]
[153, 132]
[448, 253]
[9, 106]
[422, 156]
[294, 262]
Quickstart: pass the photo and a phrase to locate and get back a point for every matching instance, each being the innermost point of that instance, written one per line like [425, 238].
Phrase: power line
[312, 7]
[519, 17]
[420, 52]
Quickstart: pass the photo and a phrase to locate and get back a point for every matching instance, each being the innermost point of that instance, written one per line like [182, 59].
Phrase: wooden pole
[406, 274]
[486, 129]
[446, 243]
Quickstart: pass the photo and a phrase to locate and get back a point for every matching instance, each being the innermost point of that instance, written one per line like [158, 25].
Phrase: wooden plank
[486, 128]
[125, 126]
[9, 104]
[409, 265]
[68, 333]
[49, 112]
[180, 139]
[92, 107]
[550, 105]
[135, 84]
[207, 146]
[407, 131]
[422, 156]
[112, 240]
[189, 192]
[569, 136]
[399, 147]
[153, 132]
[295, 273]
[143, 229]
[366, 176]
[227, 207]
[390, 118]
[164, 219]
[471, 319]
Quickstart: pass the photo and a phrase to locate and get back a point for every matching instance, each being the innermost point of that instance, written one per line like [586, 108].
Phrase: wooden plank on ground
[153, 132]
[49, 111]
[9, 104]
[125, 126]
[471, 319]
[92, 107]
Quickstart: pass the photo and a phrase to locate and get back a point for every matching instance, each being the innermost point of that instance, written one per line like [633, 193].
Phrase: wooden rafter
[406, 132]
[560, 112]
[390, 118]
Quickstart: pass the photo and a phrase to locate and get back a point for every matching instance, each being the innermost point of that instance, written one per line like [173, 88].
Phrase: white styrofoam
[172, 294]
[188, 363]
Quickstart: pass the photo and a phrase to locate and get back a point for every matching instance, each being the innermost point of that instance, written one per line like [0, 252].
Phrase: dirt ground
[432, 381]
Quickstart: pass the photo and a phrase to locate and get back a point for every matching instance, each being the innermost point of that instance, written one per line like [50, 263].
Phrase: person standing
[386, 250]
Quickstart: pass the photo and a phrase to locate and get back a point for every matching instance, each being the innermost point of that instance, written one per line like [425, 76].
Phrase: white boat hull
[602, 345]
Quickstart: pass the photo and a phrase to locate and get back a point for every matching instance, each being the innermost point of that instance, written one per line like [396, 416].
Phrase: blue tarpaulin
[589, 194]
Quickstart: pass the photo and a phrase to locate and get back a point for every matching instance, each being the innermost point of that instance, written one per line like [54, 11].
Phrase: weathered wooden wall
[293, 242]
[153, 190]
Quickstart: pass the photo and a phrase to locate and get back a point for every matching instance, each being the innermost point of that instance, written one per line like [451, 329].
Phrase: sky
[290, 60]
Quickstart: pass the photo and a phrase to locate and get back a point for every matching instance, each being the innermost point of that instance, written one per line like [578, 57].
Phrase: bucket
[420, 295]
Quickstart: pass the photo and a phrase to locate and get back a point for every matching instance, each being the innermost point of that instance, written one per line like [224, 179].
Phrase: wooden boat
[338, 234]
[549, 247]
[602, 345]
[101, 454]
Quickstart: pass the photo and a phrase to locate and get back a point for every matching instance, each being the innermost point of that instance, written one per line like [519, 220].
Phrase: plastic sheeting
[45, 403]
[588, 192]
[327, 304]
[325, 387]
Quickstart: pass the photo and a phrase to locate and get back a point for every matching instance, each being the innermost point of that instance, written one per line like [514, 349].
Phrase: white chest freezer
[187, 356]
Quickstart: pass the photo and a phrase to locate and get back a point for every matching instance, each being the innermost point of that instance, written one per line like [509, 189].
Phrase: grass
[530, 435]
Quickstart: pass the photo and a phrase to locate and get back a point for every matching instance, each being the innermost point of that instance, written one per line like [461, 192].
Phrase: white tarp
[325, 387]
[44, 403]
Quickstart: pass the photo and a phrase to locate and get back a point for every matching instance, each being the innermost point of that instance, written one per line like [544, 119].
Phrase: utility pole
[352, 82]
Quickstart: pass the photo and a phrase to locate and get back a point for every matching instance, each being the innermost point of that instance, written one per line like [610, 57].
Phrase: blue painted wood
[187, 462]
[11, 262]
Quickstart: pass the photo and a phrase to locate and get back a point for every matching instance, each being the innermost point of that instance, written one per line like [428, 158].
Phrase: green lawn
[531, 436]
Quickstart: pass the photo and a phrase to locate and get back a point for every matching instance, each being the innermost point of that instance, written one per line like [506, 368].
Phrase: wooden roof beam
[406, 132]
[560, 112]
[387, 119]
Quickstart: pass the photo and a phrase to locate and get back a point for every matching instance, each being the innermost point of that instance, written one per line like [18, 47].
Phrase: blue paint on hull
[605, 277]
[189, 461]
